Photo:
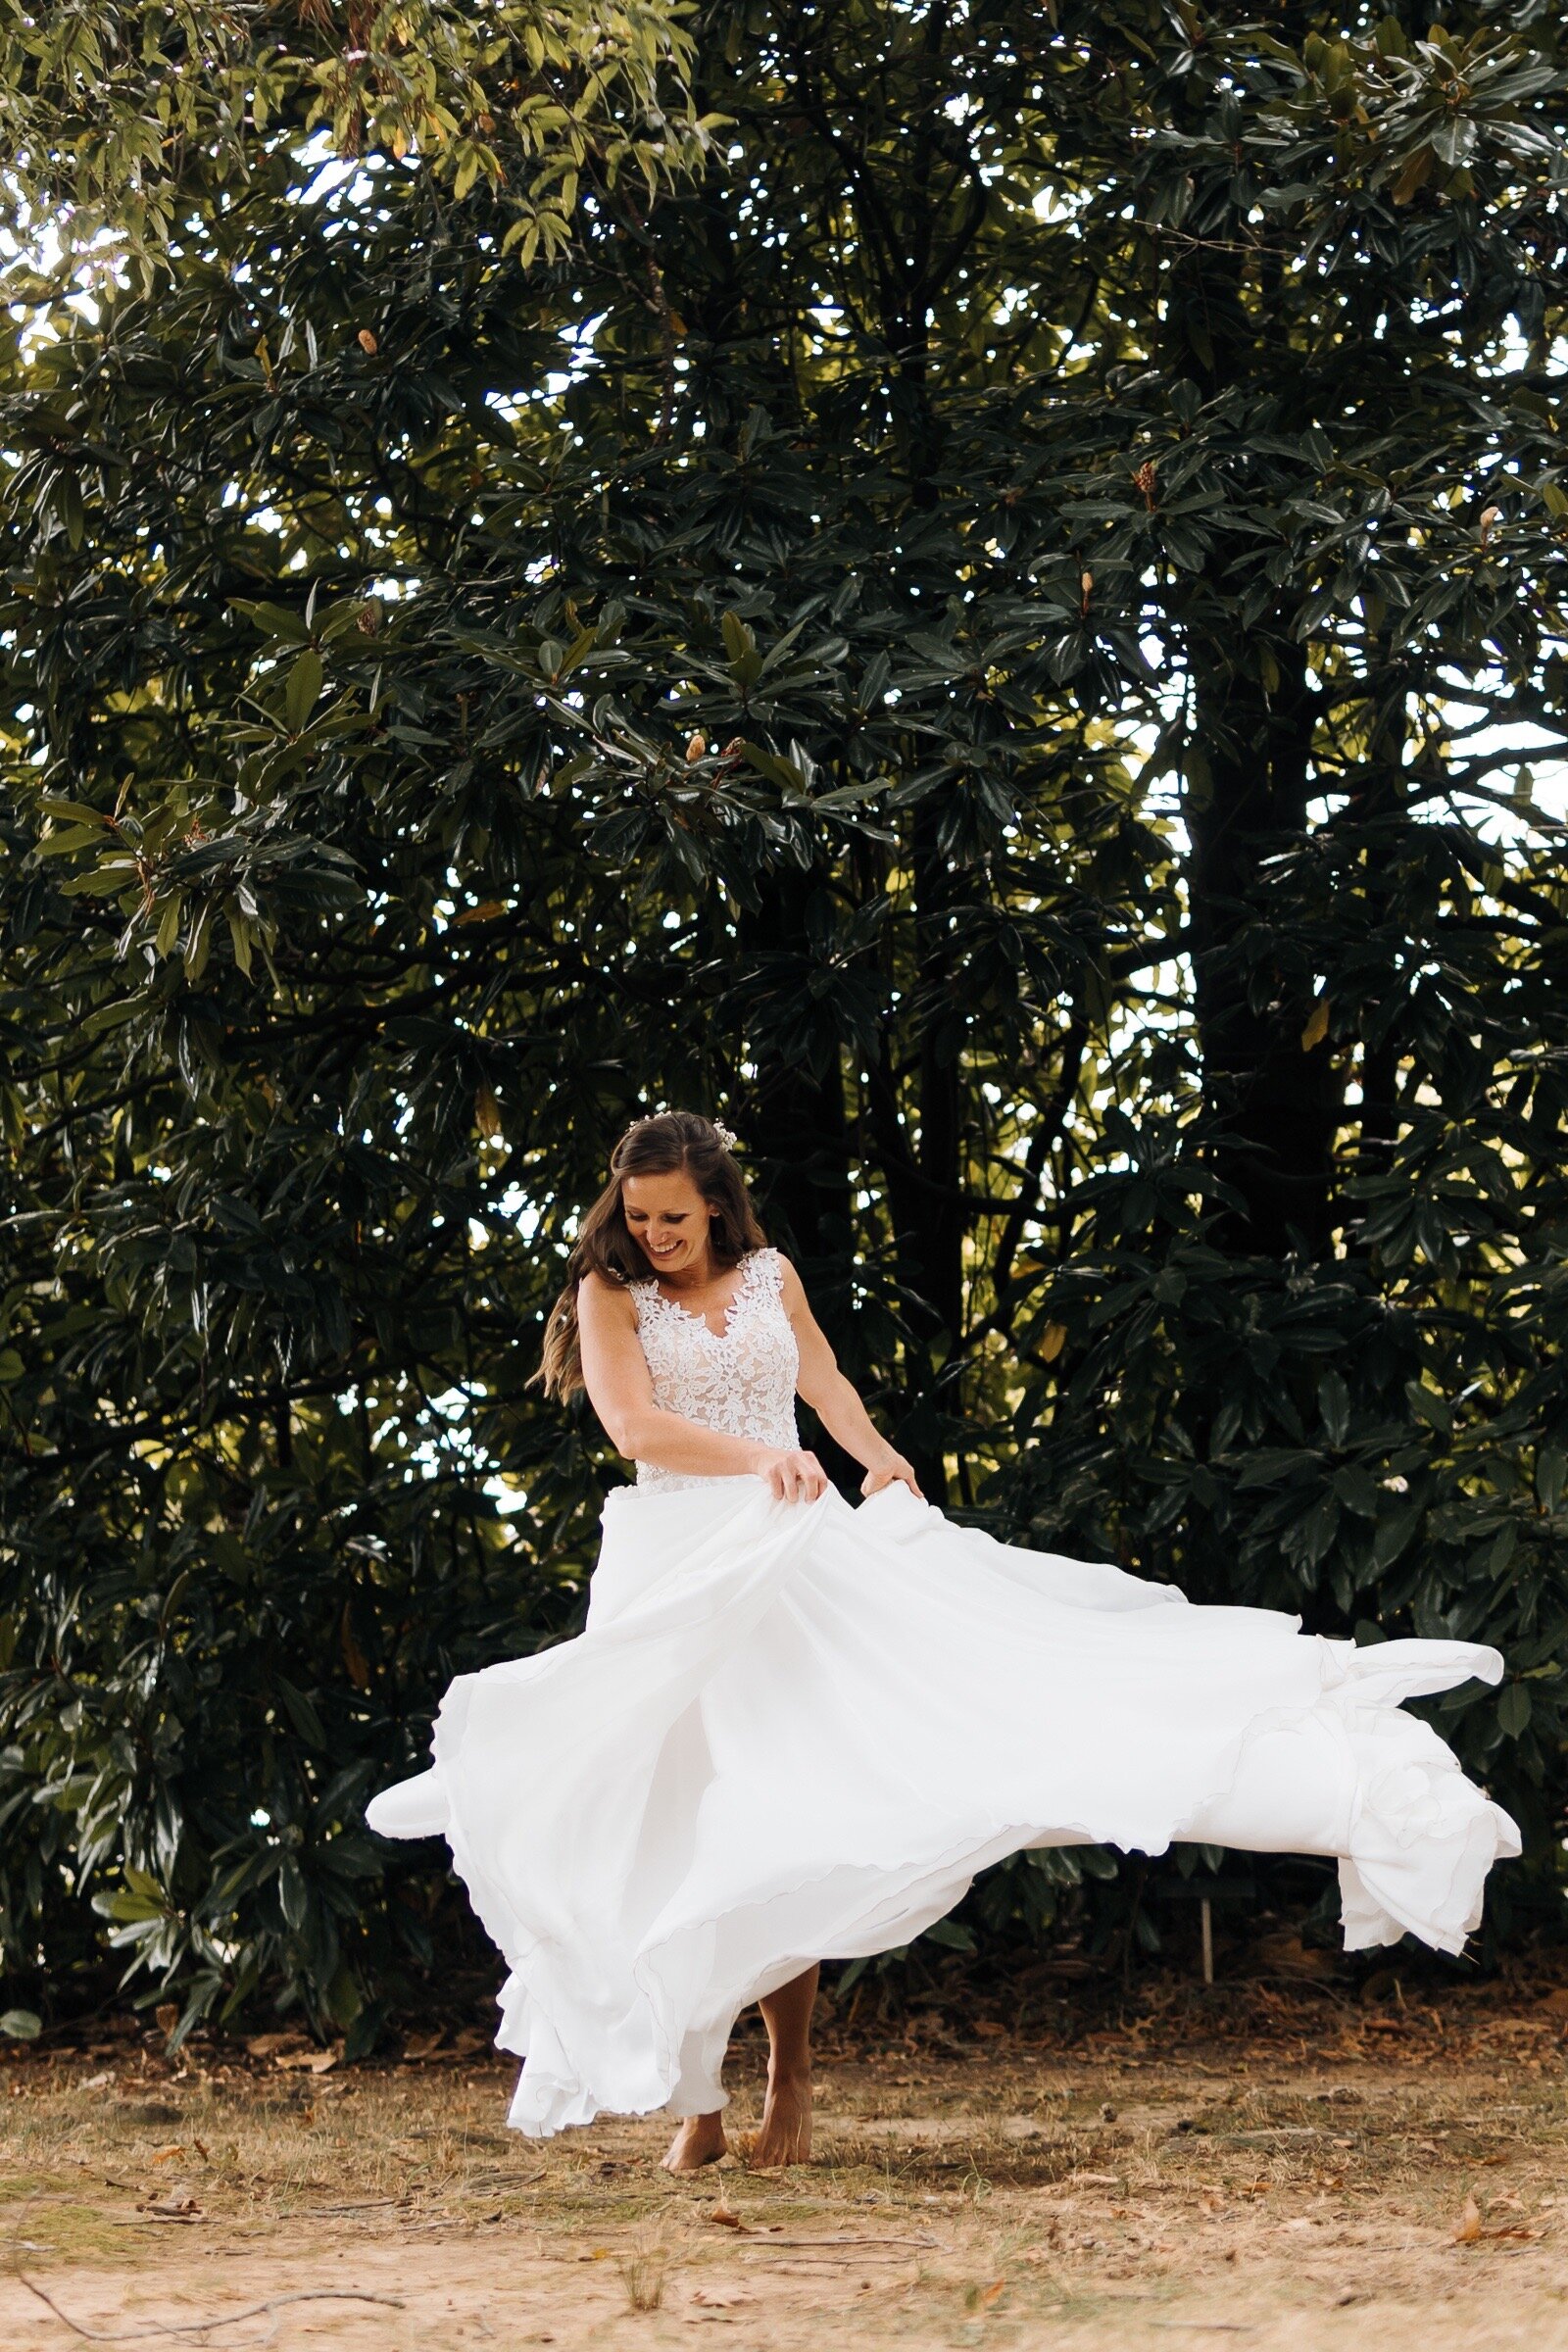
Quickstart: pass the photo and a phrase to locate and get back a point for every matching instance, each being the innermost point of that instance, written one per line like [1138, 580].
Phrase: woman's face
[668, 1216]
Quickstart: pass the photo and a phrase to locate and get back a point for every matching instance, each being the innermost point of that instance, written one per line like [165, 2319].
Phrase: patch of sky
[451, 1440]
[1515, 756]
[331, 173]
[524, 1214]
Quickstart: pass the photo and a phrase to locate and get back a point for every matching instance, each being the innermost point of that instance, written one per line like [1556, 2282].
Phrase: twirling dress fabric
[795, 1732]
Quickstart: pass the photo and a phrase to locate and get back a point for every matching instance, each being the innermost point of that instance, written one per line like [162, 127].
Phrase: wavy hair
[670, 1143]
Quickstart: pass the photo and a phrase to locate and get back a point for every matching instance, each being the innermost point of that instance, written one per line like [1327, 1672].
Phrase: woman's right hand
[793, 1477]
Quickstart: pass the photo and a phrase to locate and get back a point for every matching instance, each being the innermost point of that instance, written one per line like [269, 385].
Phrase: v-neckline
[691, 1315]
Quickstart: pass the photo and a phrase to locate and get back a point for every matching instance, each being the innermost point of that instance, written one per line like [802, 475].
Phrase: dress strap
[765, 1269]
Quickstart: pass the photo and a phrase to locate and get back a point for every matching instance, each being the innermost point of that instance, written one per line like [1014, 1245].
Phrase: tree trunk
[1273, 1101]
[1375, 799]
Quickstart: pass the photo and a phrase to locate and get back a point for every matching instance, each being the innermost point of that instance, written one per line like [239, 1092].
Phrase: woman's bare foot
[700, 2141]
[785, 2136]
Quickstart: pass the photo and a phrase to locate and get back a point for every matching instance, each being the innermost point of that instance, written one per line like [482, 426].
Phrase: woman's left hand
[893, 1472]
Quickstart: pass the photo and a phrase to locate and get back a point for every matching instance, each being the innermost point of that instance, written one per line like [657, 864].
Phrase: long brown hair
[672, 1142]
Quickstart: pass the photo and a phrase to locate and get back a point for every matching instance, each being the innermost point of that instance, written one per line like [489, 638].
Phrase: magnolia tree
[976, 588]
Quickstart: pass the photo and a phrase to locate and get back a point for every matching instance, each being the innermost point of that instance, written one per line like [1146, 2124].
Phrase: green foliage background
[979, 600]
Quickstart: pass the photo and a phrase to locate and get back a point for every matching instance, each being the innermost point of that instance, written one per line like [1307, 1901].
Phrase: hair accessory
[728, 1140]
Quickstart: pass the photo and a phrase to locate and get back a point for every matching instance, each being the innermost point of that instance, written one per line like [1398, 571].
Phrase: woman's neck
[696, 1277]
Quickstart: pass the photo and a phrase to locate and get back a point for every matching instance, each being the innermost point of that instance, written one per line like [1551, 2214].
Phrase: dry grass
[644, 2264]
[1307, 2174]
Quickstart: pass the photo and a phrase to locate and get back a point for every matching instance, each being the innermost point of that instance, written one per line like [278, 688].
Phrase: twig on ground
[365, 2205]
[231, 2319]
[850, 2245]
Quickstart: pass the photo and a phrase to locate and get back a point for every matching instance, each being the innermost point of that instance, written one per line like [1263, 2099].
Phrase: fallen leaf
[312, 2062]
[728, 2219]
[988, 2028]
[268, 2045]
[1467, 2228]
[1287, 1954]
[176, 2205]
[164, 2155]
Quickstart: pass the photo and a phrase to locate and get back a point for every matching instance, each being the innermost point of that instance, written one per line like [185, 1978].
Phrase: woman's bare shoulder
[605, 1299]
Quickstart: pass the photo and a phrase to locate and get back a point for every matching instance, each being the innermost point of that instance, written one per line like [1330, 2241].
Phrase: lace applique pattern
[740, 1379]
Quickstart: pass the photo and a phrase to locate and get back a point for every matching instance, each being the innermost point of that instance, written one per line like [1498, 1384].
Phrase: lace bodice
[741, 1379]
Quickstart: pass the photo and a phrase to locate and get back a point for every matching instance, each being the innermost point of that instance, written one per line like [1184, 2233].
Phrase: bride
[794, 1728]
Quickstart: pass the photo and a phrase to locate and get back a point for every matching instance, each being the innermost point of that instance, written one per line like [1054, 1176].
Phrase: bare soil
[1285, 2166]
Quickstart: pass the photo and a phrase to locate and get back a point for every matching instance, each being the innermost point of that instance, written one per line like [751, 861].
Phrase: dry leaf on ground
[175, 2205]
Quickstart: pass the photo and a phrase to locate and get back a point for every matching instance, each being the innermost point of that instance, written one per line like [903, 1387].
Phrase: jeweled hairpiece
[728, 1140]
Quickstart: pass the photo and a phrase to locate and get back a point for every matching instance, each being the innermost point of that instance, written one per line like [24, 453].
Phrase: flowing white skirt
[795, 1732]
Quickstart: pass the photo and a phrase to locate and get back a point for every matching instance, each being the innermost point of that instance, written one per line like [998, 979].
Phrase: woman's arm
[836, 1401]
[615, 1372]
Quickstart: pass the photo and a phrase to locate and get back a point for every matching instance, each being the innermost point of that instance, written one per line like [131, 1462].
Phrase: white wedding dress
[795, 1732]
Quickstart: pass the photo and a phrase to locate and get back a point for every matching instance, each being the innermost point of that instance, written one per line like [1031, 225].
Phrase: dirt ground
[1293, 2168]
